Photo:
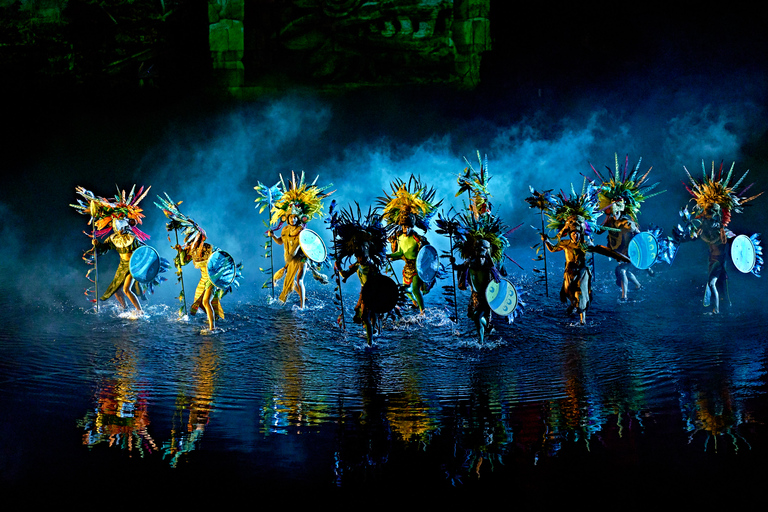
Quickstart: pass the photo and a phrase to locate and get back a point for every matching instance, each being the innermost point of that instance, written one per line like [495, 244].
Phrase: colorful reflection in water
[284, 400]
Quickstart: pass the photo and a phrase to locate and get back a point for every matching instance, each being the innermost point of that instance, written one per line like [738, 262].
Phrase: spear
[453, 275]
[181, 274]
[271, 247]
[546, 280]
[541, 201]
[331, 221]
[95, 265]
[338, 283]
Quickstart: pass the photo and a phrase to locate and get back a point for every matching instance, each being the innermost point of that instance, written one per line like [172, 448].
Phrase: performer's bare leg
[207, 298]
[299, 286]
[712, 293]
[129, 293]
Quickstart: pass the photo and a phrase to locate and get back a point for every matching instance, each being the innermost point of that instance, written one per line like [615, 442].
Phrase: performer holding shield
[411, 206]
[621, 197]
[116, 228]
[218, 272]
[480, 239]
[295, 205]
[715, 201]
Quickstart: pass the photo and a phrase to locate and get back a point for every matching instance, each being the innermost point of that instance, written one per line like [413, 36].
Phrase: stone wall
[226, 38]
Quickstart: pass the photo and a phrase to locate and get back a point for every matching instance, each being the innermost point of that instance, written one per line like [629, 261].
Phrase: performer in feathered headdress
[574, 218]
[194, 248]
[621, 196]
[115, 222]
[410, 206]
[364, 238]
[480, 238]
[715, 201]
[294, 204]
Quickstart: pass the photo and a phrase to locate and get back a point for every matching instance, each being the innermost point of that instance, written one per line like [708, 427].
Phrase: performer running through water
[116, 221]
[195, 249]
[365, 239]
[621, 196]
[715, 201]
[411, 206]
[480, 239]
[574, 220]
[295, 205]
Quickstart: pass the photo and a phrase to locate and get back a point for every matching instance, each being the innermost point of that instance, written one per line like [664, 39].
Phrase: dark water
[649, 399]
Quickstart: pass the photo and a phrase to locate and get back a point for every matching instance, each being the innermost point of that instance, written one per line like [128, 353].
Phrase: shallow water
[649, 396]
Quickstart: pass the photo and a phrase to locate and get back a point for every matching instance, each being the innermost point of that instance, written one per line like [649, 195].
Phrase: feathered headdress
[626, 186]
[717, 189]
[194, 235]
[582, 208]
[103, 211]
[305, 200]
[473, 230]
[412, 201]
[353, 230]
[475, 184]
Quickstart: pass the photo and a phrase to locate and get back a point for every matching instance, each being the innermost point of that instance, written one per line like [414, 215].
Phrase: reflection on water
[645, 394]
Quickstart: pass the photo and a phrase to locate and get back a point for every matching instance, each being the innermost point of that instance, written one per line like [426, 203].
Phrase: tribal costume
[411, 205]
[294, 204]
[620, 197]
[365, 239]
[480, 239]
[715, 201]
[574, 218]
[195, 249]
[117, 219]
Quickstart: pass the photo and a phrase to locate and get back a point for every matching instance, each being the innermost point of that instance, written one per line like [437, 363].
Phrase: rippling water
[649, 396]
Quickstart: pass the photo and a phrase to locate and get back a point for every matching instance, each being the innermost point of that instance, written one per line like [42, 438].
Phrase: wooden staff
[95, 264]
[181, 273]
[338, 281]
[544, 250]
[453, 275]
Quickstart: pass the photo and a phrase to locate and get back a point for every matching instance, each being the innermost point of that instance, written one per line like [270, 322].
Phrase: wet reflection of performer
[294, 204]
[621, 197]
[120, 416]
[117, 219]
[411, 206]
[716, 200]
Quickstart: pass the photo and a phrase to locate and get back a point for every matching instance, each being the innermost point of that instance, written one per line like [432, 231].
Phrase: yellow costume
[200, 260]
[295, 260]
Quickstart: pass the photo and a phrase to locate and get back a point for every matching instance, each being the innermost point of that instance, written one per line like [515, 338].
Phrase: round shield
[145, 264]
[222, 270]
[312, 245]
[380, 293]
[643, 250]
[743, 254]
[427, 263]
[501, 297]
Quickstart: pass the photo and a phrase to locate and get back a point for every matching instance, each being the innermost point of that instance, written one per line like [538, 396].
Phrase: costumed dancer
[480, 238]
[621, 197]
[116, 224]
[194, 248]
[364, 238]
[295, 205]
[411, 206]
[574, 218]
[715, 201]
